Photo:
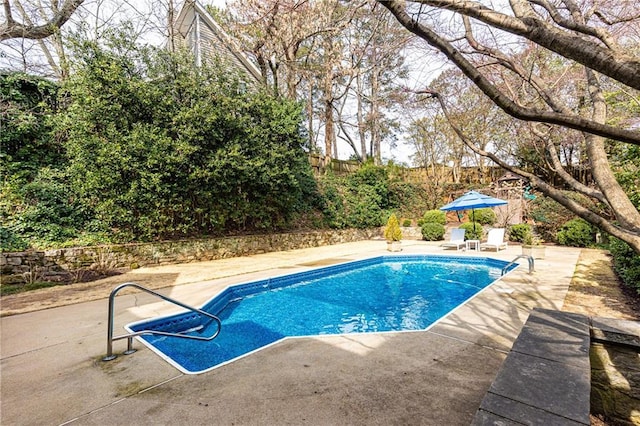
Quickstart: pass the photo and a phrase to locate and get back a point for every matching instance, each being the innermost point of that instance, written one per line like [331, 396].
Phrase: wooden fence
[442, 174]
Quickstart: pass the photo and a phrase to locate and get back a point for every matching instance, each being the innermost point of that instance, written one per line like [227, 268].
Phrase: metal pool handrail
[528, 257]
[130, 336]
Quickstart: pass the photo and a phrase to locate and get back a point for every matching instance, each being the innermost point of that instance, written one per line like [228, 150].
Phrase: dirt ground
[596, 290]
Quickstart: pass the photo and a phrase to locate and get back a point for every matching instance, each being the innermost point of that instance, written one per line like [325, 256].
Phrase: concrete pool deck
[52, 373]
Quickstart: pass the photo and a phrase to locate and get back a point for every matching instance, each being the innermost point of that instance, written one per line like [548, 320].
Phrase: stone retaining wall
[565, 366]
[60, 264]
[615, 370]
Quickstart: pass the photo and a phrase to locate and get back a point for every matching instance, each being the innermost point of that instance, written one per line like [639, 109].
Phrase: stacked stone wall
[60, 264]
[615, 370]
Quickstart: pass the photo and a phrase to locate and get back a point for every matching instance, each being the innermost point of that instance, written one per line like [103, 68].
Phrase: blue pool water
[387, 293]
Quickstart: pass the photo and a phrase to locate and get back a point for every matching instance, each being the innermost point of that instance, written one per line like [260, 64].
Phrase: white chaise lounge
[456, 241]
[495, 240]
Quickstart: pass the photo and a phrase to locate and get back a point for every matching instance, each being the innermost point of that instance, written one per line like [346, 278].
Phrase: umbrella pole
[473, 218]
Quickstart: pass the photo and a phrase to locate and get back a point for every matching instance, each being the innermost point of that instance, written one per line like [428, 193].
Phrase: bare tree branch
[527, 24]
[574, 26]
[13, 29]
[558, 168]
[496, 95]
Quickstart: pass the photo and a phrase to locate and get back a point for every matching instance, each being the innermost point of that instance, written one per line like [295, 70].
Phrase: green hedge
[432, 231]
[484, 216]
[626, 263]
[576, 233]
[433, 216]
[472, 232]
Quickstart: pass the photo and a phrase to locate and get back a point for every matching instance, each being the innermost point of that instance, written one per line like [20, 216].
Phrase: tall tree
[374, 43]
[476, 115]
[511, 72]
[340, 60]
[436, 149]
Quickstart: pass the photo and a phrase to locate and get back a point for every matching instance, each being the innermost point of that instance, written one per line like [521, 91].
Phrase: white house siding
[207, 39]
[211, 46]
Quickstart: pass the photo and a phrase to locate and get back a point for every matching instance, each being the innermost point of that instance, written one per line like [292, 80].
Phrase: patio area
[52, 369]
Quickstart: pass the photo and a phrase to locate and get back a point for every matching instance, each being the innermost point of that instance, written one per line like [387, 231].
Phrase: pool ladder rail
[110, 337]
[521, 256]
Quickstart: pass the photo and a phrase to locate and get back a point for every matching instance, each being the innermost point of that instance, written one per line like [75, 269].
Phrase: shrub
[363, 208]
[520, 232]
[406, 223]
[473, 230]
[28, 110]
[367, 197]
[409, 199]
[485, 216]
[549, 215]
[160, 148]
[333, 205]
[433, 216]
[626, 263]
[576, 233]
[9, 241]
[49, 213]
[392, 232]
[433, 231]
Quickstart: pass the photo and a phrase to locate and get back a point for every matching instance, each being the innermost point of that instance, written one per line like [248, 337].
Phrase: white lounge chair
[457, 239]
[495, 239]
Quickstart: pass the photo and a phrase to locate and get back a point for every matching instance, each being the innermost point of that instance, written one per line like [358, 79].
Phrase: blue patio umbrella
[473, 200]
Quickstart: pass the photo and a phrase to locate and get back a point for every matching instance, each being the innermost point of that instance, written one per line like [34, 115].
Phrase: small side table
[473, 245]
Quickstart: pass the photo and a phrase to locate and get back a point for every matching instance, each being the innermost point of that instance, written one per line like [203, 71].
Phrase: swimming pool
[381, 294]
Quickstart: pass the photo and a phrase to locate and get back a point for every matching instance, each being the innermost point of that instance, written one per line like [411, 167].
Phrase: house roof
[193, 13]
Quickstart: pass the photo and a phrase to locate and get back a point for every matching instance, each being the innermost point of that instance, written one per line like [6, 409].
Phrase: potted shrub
[532, 246]
[393, 234]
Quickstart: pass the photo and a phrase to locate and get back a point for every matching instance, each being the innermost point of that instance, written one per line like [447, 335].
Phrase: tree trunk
[360, 117]
[329, 130]
[312, 136]
[626, 213]
[374, 119]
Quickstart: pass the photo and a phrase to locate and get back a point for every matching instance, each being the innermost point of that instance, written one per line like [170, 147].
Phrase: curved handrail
[529, 259]
[130, 336]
